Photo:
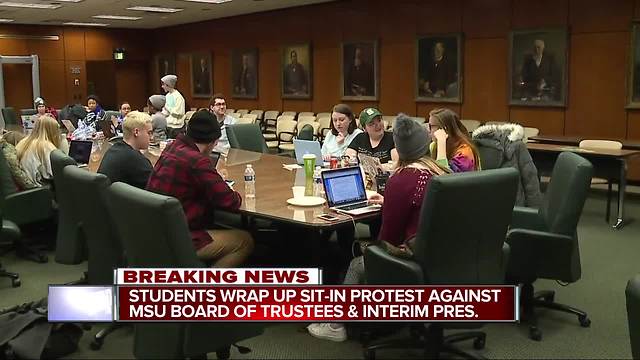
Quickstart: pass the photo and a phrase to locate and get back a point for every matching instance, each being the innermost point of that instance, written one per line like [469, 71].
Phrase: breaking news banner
[281, 295]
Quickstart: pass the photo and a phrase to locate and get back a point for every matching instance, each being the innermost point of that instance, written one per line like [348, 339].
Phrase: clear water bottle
[249, 182]
[317, 182]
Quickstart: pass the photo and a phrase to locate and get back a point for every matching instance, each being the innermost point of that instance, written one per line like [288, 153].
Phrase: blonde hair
[135, 120]
[424, 162]
[45, 133]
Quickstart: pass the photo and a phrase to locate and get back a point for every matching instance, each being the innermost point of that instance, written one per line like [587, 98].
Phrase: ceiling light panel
[209, 1]
[29, 5]
[117, 17]
[84, 24]
[6, 20]
[154, 9]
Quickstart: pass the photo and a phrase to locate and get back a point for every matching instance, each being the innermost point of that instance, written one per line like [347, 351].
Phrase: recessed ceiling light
[154, 9]
[71, 1]
[6, 20]
[117, 17]
[210, 1]
[29, 5]
[84, 24]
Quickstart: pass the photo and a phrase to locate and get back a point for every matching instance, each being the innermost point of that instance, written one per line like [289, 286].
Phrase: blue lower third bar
[80, 303]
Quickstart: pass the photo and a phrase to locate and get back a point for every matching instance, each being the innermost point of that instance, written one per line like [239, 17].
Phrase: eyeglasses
[433, 126]
[219, 104]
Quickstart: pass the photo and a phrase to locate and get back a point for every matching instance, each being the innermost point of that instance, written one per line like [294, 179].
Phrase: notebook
[345, 191]
[80, 150]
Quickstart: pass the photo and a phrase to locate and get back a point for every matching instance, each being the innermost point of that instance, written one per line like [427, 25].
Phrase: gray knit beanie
[170, 80]
[157, 101]
[410, 137]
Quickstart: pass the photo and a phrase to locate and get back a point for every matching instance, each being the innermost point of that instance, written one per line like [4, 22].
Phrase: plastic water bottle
[317, 182]
[249, 182]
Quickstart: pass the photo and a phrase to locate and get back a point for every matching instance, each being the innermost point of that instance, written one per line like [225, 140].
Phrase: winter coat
[502, 146]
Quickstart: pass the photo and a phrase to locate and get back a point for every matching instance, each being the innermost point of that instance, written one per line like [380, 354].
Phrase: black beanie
[203, 127]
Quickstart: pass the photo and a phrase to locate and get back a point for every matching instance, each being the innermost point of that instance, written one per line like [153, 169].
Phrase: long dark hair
[344, 109]
[449, 121]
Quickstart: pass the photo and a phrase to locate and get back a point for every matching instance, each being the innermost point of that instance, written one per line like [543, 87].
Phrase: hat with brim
[367, 115]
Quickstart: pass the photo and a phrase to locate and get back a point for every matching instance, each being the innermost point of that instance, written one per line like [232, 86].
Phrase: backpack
[73, 113]
[25, 333]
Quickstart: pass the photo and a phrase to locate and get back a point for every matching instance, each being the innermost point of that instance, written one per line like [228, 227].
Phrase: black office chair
[167, 244]
[9, 233]
[461, 244]
[632, 293]
[10, 116]
[89, 203]
[246, 137]
[306, 133]
[544, 242]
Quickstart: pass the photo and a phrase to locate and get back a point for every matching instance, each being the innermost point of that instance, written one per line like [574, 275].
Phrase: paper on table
[291, 166]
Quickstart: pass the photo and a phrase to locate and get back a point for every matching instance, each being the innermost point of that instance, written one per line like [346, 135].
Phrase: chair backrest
[234, 114]
[530, 132]
[306, 132]
[10, 116]
[228, 111]
[271, 115]
[462, 243]
[248, 118]
[290, 113]
[306, 119]
[7, 185]
[246, 137]
[323, 114]
[258, 113]
[601, 144]
[89, 202]
[188, 115]
[325, 126]
[495, 122]
[567, 191]
[166, 243]
[632, 293]
[242, 111]
[70, 243]
[288, 125]
[305, 113]
[470, 124]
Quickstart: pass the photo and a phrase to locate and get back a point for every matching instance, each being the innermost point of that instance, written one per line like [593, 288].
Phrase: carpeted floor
[609, 259]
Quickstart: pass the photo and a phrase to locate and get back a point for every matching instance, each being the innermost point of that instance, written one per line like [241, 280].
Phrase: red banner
[318, 303]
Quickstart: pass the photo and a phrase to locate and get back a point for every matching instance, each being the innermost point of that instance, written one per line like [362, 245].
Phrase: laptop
[303, 147]
[345, 191]
[107, 128]
[80, 151]
[215, 156]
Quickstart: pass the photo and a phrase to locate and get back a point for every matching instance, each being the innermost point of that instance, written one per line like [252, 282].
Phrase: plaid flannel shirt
[183, 172]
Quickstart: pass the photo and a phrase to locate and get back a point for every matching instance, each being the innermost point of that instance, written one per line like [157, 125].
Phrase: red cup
[333, 162]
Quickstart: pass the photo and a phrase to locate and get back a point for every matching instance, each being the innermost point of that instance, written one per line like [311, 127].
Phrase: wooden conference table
[273, 187]
[610, 164]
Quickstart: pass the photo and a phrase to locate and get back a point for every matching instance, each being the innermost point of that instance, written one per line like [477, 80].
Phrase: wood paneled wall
[75, 47]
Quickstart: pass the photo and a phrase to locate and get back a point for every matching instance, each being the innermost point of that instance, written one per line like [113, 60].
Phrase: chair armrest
[526, 218]
[29, 206]
[293, 135]
[382, 268]
[542, 254]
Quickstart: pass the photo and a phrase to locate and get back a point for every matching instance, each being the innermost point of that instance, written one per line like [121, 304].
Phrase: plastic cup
[309, 165]
[298, 191]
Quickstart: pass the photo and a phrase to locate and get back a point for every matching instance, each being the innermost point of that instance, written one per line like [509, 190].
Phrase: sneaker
[326, 331]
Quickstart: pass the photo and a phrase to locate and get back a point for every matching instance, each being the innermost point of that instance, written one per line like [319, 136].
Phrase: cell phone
[328, 217]
[230, 182]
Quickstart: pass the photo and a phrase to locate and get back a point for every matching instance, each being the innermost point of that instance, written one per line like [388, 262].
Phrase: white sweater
[174, 109]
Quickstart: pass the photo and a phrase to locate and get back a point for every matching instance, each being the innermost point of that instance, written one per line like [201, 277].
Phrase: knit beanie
[157, 101]
[410, 137]
[170, 80]
[203, 127]
[38, 101]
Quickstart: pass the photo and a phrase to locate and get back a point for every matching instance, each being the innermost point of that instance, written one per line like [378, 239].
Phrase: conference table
[610, 164]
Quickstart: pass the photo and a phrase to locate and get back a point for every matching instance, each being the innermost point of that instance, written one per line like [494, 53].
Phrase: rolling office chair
[88, 200]
[10, 116]
[544, 241]
[167, 244]
[461, 244]
[9, 232]
[632, 293]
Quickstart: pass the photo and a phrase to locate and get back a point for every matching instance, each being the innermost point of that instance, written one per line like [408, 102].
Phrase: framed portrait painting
[296, 71]
[439, 69]
[633, 78]
[201, 82]
[244, 73]
[538, 67]
[165, 64]
[359, 70]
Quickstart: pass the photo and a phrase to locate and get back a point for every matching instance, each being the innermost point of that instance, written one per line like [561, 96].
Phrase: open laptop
[215, 156]
[303, 147]
[80, 151]
[345, 191]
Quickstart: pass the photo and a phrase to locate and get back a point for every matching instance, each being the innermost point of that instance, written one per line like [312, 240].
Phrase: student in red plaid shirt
[185, 171]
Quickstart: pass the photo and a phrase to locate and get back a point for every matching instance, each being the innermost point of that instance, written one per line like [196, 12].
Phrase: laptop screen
[344, 186]
[80, 150]
[215, 156]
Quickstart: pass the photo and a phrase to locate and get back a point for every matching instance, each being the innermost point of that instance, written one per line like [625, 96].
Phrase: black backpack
[25, 333]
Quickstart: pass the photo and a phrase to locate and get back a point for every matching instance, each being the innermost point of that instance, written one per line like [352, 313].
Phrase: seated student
[343, 131]
[158, 120]
[7, 144]
[401, 206]
[34, 150]
[87, 126]
[452, 147]
[218, 107]
[374, 141]
[125, 108]
[42, 109]
[123, 161]
[185, 172]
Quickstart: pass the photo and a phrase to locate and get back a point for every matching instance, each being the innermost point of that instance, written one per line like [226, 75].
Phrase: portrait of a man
[296, 73]
[166, 64]
[244, 73]
[439, 65]
[538, 62]
[359, 69]
[201, 75]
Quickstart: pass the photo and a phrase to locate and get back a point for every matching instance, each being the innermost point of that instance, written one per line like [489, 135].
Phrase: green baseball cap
[367, 115]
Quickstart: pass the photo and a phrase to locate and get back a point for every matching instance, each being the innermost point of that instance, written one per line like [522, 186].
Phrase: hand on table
[376, 199]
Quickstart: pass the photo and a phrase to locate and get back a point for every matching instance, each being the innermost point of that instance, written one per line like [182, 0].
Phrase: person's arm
[216, 191]
[394, 155]
[140, 172]
[351, 153]
[395, 211]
